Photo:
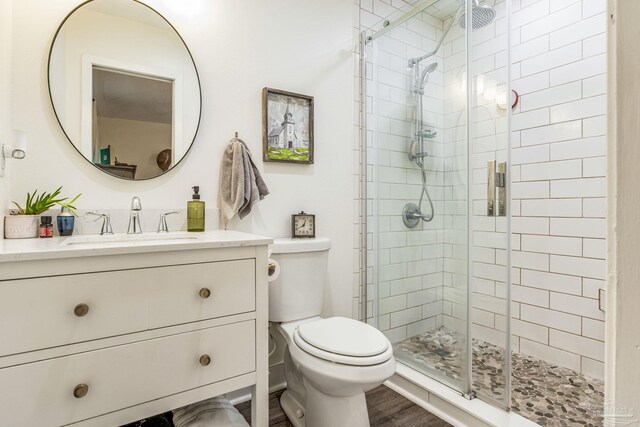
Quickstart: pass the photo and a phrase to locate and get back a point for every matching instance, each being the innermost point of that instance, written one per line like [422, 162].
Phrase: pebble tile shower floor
[542, 392]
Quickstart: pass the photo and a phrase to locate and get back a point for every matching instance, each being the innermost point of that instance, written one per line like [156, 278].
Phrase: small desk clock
[303, 225]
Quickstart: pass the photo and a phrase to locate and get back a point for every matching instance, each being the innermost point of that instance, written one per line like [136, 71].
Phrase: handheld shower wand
[424, 77]
[412, 213]
[416, 149]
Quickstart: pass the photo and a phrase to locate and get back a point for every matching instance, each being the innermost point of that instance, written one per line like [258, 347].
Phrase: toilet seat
[344, 341]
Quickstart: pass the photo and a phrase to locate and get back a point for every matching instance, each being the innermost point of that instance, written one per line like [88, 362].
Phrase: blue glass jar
[66, 221]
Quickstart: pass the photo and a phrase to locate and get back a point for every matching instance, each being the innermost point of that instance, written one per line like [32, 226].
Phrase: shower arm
[414, 61]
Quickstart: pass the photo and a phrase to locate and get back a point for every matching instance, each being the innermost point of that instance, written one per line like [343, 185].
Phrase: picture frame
[287, 127]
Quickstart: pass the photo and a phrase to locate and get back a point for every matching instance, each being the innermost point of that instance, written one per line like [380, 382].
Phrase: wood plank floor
[386, 409]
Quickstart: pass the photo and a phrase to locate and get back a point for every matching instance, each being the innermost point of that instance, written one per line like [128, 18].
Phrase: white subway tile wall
[370, 15]
[408, 263]
[359, 296]
[490, 141]
[559, 150]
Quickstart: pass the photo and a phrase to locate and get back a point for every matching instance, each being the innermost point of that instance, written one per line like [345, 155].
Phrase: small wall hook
[236, 134]
[17, 149]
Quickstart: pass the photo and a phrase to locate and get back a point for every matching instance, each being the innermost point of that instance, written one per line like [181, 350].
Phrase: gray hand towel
[240, 182]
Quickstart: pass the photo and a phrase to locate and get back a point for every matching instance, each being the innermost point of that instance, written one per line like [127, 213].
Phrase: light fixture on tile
[16, 150]
[501, 100]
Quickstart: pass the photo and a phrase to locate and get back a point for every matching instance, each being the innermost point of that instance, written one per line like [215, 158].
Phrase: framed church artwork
[287, 127]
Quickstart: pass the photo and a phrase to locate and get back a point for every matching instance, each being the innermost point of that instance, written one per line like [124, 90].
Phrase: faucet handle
[106, 222]
[162, 225]
[98, 215]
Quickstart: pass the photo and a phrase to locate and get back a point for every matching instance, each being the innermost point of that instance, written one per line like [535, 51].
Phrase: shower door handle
[501, 184]
[496, 189]
[491, 188]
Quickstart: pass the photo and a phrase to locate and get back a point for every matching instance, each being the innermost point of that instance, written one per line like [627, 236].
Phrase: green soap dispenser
[195, 212]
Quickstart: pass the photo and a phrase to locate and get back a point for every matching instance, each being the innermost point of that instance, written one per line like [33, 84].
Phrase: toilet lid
[342, 336]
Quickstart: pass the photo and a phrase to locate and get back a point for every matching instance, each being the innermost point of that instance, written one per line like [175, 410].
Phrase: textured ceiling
[132, 97]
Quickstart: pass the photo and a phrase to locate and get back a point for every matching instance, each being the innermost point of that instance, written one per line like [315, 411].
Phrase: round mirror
[124, 88]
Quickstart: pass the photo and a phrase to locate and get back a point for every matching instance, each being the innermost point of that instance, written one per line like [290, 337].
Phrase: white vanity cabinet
[105, 336]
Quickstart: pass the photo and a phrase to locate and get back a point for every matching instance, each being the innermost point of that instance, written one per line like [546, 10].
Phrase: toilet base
[323, 410]
[293, 409]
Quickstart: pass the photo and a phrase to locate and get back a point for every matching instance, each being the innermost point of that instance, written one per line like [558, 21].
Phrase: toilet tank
[298, 292]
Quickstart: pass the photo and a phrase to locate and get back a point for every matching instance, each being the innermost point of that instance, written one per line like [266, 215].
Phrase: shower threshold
[544, 393]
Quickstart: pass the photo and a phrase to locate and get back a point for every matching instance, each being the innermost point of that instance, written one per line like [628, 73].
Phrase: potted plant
[23, 223]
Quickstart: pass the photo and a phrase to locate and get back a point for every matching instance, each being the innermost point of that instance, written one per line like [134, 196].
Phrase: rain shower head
[481, 16]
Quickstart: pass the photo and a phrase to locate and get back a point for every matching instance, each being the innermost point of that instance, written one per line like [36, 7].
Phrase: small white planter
[21, 226]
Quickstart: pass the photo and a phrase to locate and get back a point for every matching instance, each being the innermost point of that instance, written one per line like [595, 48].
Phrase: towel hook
[236, 134]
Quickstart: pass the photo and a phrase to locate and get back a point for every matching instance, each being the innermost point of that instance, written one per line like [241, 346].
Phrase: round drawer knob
[204, 293]
[205, 360]
[81, 310]
[80, 391]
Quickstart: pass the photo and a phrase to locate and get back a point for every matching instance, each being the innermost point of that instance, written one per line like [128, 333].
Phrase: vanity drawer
[53, 311]
[42, 393]
[188, 293]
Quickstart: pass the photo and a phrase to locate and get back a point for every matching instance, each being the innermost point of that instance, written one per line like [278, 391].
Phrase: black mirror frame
[195, 134]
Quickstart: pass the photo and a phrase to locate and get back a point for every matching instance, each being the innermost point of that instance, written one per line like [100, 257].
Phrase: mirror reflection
[124, 88]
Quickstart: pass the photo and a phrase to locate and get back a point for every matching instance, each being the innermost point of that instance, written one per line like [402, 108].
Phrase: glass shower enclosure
[437, 127]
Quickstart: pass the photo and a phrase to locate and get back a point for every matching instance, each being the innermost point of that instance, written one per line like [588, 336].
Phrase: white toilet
[330, 362]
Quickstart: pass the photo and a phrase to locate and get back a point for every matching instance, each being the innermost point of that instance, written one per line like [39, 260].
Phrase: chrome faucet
[106, 222]
[134, 218]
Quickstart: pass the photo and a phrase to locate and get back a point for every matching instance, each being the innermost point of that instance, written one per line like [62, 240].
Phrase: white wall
[239, 47]
[135, 142]
[5, 91]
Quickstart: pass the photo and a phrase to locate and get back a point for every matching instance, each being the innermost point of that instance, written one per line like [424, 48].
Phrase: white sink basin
[132, 239]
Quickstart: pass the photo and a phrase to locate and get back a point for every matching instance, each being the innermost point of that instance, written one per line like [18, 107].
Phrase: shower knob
[411, 215]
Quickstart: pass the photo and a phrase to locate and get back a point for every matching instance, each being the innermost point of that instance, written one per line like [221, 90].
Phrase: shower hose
[423, 172]
[424, 192]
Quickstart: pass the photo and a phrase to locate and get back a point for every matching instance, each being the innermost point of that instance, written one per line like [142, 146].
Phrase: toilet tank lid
[290, 245]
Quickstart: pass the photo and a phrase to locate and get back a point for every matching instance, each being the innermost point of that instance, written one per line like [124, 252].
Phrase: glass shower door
[438, 255]
[419, 191]
[490, 209]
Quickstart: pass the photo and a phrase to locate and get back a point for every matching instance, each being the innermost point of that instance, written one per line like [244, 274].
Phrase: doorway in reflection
[132, 126]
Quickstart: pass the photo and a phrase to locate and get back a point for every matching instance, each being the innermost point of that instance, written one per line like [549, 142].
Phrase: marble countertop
[93, 245]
